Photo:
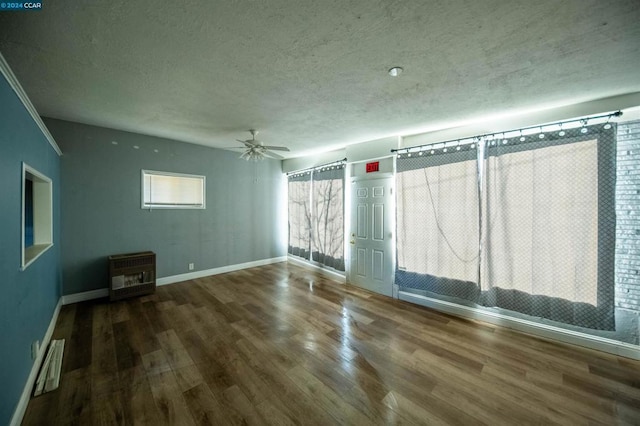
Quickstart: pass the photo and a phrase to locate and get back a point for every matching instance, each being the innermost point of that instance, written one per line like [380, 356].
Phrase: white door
[371, 236]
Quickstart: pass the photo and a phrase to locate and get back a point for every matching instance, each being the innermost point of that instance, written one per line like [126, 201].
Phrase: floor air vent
[49, 377]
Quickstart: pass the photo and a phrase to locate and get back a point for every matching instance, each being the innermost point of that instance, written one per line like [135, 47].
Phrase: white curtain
[544, 207]
[542, 222]
[299, 205]
[328, 217]
[437, 217]
[316, 215]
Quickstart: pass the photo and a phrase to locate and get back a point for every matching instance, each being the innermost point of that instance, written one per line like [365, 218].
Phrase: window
[542, 235]
[165, 190]
[316, 216]
[37, 215]
[328, 218]
[300, 215]
[524, 225]
[437, 221]
[437, 216]
[549, 234]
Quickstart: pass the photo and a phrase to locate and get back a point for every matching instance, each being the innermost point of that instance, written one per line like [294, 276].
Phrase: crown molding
[22, 95]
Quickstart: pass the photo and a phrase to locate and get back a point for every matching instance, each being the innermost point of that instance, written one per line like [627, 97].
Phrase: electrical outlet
[35, 349]
[191, 266]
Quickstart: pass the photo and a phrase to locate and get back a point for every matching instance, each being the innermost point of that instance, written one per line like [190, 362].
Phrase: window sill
[175, 207]
[34, 252]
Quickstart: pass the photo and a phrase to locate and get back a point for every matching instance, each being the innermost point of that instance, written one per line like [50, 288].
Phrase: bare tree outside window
[316, 216]
[328, 221]
[300, 216]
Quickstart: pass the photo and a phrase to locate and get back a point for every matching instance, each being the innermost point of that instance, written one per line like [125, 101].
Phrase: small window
[164, 190]
[37, 214]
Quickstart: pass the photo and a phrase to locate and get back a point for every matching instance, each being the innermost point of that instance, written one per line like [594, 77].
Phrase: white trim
[367, 160]
[337, 276]
[104, 292]
[39, 224]
[21, 408]
[543, 330]
[378, 175]
[22, 223]
[87, 295]
[33, 259]
[215, 271]
[22, 95]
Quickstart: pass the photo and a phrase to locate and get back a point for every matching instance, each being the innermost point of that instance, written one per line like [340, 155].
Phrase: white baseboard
[215, 271]
[104, 292]
[342, 278]
[21, 408]
[87, 295]
[555, 333]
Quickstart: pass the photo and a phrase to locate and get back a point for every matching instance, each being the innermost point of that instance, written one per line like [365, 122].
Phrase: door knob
[352, 242]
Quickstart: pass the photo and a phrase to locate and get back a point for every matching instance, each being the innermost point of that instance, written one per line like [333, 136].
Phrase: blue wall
[101, 212]
[27, 298]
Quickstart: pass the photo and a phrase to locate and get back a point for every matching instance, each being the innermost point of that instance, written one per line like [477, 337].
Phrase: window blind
[173, 190]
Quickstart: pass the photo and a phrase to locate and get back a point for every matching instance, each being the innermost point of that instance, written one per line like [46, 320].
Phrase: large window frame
[197, 184]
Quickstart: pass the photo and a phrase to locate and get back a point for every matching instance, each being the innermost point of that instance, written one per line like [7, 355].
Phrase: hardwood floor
[283, 345]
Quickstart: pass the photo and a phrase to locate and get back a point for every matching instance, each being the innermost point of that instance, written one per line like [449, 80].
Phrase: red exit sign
[373, 167]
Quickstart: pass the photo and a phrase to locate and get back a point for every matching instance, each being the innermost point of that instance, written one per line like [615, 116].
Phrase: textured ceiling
[313, 74]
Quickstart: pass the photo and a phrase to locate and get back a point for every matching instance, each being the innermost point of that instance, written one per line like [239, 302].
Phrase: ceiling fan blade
[248, 144]
[277, 148]
[273, 155]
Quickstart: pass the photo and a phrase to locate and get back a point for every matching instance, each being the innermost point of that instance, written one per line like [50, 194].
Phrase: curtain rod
[577, 120]
[337, 162]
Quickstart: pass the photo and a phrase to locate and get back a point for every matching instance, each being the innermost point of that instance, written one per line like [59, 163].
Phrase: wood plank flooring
[283, 345]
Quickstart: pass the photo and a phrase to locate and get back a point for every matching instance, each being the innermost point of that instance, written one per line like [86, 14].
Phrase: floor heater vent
[49, 377]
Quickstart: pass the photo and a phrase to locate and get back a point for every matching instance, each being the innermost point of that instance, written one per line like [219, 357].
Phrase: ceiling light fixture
[254, 153]
[395, 71]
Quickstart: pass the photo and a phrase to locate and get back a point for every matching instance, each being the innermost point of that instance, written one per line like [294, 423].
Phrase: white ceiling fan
[256, 150]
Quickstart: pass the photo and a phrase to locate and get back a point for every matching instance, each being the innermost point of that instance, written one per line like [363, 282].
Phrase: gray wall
[101, 212]
[27, 298]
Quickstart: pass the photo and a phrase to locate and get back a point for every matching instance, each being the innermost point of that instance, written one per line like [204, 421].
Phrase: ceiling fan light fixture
[253, 154]
[257, 151]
